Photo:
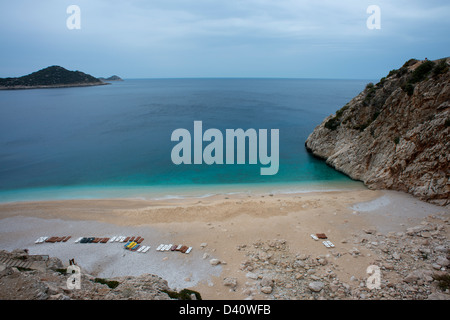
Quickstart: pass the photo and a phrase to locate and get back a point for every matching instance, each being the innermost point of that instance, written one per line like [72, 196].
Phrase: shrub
[392, 72]
[62, 271]
[440, 68]
[381, 82]
[443, 281]
[422, 71]
[341, 111]
[332, 124]
[369, 85]
[110, 283]
[375, 115]
[184, 294]
[409, 89]
[409, 63]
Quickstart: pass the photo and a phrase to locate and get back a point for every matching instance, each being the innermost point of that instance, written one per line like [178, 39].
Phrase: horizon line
[236, 77]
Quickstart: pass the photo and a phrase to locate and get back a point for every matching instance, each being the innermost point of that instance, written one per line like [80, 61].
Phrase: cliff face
[395, 134]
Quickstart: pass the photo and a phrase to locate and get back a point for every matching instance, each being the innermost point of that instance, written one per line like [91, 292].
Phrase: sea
[114, 141]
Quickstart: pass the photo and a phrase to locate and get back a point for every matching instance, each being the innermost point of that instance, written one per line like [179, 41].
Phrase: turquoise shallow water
[115, 141]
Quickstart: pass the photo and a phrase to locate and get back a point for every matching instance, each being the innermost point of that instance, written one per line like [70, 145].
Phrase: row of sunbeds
[134, 246]
[174, 247]
[91, 240]
[132, 243]
[52, 239]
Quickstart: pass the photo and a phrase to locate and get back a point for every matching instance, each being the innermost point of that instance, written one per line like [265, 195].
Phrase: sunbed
[131, 245]
[159, 247]
[132, 239]
[51, 239]
[330, 244]
[135, 247]
[40, 240]
[66, 238]
[179, 247]
[127, 239]
[140, 240]
[140, 249]
[321, 235]
[183, 249]
[188, 249]
[78, 240]
[43, 239]
[137, 239]
[146, 249]
[173, 247]
[112, 239]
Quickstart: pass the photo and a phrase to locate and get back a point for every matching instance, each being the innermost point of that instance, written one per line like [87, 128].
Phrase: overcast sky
[222, 38]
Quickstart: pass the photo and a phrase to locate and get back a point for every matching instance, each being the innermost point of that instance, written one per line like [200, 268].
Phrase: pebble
[214, 262]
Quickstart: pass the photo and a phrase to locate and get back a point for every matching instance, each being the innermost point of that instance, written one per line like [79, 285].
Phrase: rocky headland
[50, 77]
[395, 134]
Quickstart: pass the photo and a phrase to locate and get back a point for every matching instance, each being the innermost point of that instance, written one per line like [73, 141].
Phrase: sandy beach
[217, 227]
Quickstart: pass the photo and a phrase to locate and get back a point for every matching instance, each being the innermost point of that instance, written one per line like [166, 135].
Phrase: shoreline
[53, 86]
[163, 192]
[223, 227]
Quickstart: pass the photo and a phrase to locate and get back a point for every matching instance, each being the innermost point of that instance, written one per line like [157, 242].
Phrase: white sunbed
[146, 249]
[314, 237]
[39, 240]
[168, 247]
[112, 239]
[179, 247]
[328, 244]
[189, 250]
[160, 247]
[140, 249]
[78, 240]
[118, 238]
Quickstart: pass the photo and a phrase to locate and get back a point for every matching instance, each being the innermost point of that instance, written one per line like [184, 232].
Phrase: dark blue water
[119, 135]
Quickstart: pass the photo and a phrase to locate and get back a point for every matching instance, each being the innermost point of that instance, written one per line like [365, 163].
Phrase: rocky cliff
[395, 134]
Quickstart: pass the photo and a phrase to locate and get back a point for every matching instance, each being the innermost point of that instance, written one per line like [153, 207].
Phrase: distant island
[50, 77]
[112, 78]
